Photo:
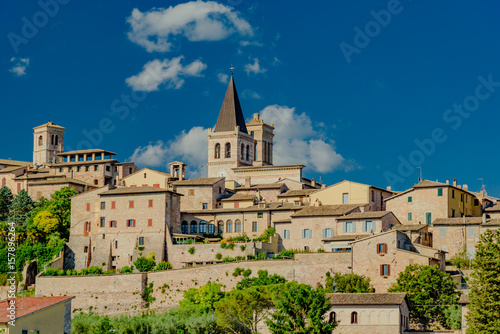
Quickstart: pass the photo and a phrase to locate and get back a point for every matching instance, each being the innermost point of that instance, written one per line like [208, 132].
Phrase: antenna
[482, 183]
[420, 178]
[231, 68]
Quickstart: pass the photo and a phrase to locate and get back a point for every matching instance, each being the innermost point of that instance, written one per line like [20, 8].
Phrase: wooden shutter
[113, 205]
[378, 248]
[133, 222]
[156, 185]
[88, 206]
[150, 222]
[150, 203]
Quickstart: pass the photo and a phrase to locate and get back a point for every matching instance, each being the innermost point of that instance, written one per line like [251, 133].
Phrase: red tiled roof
[28, 305]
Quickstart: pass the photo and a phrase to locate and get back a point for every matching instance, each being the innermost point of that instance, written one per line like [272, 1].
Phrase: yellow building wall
[48, 321]
[152, 177]
[358, 194]
[241, 204]
[466, 206]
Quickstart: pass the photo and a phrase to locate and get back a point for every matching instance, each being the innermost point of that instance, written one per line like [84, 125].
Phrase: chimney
[248, 181]
[389, 188]
[323, 186]
[447, 181]
[313, 183]
[256, 116]
[466, 187]
[484, 218]
[454, 182]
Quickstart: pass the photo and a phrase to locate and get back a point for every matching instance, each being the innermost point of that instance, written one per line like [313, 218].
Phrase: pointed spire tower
[229, 144]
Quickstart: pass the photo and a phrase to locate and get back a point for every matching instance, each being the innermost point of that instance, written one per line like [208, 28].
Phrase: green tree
[430, 291]
[461, 259]
[262, 279]
[60, 207]
[20, 208]
[483, 314]
[300, 309]
[5, 202]
[347, 283]
[203, 297]
[241, 310]
[144, 264]
[46, 222]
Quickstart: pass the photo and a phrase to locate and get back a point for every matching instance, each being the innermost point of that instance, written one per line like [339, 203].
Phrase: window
[86, 249]
[333, 317]
[203, 226]
[220, 227]
[217, 151]
[385, 270]
[452, 193]
[191, 192]
[349, 227]
[410, 216]
[381, 248]
[471, 252]
[410, 199]
[103, 205]
[443, 232]
[211, 228]
[141, 241]
[470, 232]
[237, 225]
[476, 202]
[150, 203]
[345, 198]
[88, 206]
[112, 223]
[428, 218]
[229, 226]
[354, 317]
[145, 175]
[453, 212]
[306, 233]
[113, 205]
[368, 226]
[150, 222]
[205, 206]
[87, 227]
[108, 168]
[96, 182]
[194, 227]
[184, 227]
[242, 152]
[40, 141]
[131, 204]
[327, 232]
[103, 222]
[78, 168]
[61, 170]
[87, 168]
[116, 243]
[260, 215]
[96, 168]
[286, 234]
[254, 226]
[248, 153]
[228, 150]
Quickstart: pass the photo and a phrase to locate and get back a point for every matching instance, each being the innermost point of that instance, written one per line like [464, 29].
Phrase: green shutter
[440, 191]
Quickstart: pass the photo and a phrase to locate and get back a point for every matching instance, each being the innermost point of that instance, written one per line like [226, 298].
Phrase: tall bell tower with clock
[229, 143]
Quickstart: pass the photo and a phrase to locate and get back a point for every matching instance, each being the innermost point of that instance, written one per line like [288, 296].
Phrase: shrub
[264, 237]
[188, 241]
[228, 259]
[163, 266]
[91, 271]
[250, 257]
[145, 264]
[238, 271]
[247, 273]
[240, 238]
[127, 270]
[321, 250]
[192, 250]
[50, 272]
[223, 245]
[230, 246]
[261, 256]
[243, 247]
[218, 256]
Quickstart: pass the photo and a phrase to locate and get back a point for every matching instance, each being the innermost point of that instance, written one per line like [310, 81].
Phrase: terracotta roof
[230, 114]
[493, 208]
[207, 181]
[95, 150]
[14, 162]
[281, 221]
[346, 237]
[326, 210]
[458, 221]
[177, 163]
[65, 180]
[273, 206]
[134, 190]
[261, 186]
[365, 215]
[11, 169]
[300, 192]
[29, 305]
[38, 176]
[239, 197]
[367, 298]
[414, 227]
[430, 184]
[51, 124]
[245, 168]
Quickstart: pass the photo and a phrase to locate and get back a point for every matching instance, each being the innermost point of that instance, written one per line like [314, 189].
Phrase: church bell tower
[48, 142]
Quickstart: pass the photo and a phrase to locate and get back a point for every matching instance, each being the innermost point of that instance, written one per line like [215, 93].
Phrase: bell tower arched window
[228, 150]
[242, 152]
[40, 141]
[248, 153]
[56, 140]
[217, 151]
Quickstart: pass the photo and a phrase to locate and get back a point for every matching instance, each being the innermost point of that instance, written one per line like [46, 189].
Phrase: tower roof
[230, 114]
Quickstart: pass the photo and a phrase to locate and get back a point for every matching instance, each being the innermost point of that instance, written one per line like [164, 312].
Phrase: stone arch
[228, 150]
[217, 151]
[194, 227]
[184, 227]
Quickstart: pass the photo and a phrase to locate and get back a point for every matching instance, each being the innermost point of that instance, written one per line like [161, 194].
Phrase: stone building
[300, 196]
[429, 200]
[418, 234]
[199, 194]
[112, 227]
[492, 212]
[361, 313]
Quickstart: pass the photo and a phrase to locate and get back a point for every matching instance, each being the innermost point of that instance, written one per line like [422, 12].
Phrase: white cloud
[224, 78]
[196, 20]
[250, 43]
[297, 141]
[169, 72]
[276, 61]
[19, 65]
[189, 147]
[255, 67]
[250, 94]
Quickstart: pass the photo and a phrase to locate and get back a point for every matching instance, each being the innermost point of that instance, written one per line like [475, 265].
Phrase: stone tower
[229, 144]
[48, 142]
[263, 135]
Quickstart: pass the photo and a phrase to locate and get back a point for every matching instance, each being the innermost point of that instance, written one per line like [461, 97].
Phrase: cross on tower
[231, 68]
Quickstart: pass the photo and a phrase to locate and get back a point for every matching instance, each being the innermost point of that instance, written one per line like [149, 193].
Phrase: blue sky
[351, 86]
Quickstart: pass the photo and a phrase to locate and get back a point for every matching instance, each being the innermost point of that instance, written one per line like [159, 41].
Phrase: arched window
[248, 153]
[211, 228]
[255, 151]
[237, 225]
[229, 226]
[217, 151]
[40, 141]
[194, 227]
[264, 155]
[228, 150]
[242, 152]
[203, 226]
[52, 140]
[333, 317]
[184, 227]
[220, 227]
[56, 141]
[269, 152]
[354, 317]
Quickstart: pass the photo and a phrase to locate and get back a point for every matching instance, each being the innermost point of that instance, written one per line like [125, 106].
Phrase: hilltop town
[248, 214]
